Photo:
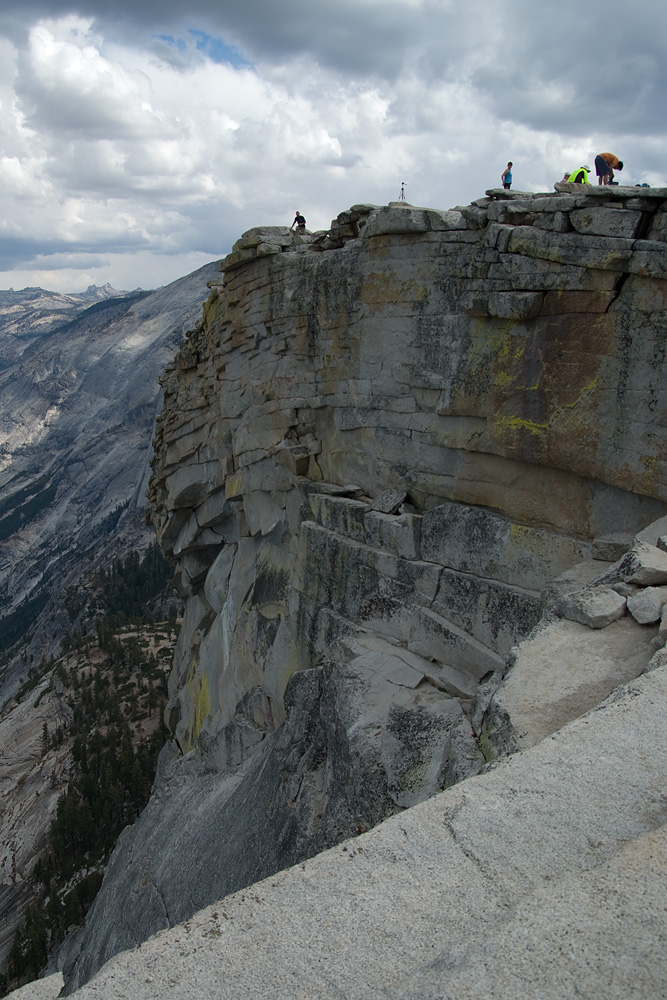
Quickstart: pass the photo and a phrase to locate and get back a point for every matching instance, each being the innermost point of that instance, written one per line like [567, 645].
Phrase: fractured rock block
[398, 218]
[214, 509]
[437, 639]
[557, 302]
[658, 230]
[364, 208]
[190, 484]
[237, 259]
[195, 565]
[595, 607]
[343, 515]
[648, 259]
[496, 614]
[398, 534]
[602, 221]
[600, 252]
[611, 547]
[555, 222]
[647, 605]
[262, 511]
[186, 536]
[446, 221]
[268, 249]
[644, 564]
[262, 475]
[295, 457]
[217, 578]
[475, 217]
[419, 744]
[388, 501]
[475, 540]
[280, 236]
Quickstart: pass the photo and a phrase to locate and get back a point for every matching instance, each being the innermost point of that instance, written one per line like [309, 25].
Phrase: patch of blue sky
[177, 43]
[218, 51]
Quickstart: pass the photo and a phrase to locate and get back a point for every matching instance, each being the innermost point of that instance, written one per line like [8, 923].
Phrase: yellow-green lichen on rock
[202, 705]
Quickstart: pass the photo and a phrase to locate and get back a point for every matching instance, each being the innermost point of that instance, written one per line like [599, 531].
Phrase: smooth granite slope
[543, 878]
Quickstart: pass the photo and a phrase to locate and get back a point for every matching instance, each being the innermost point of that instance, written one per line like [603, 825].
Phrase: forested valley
[110, 682]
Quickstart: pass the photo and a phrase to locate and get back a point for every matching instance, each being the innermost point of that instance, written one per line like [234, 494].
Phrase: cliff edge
[392, 456]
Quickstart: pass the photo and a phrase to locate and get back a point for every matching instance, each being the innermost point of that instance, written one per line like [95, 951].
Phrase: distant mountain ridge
[31, 312]
[78, 395]
[31, 292]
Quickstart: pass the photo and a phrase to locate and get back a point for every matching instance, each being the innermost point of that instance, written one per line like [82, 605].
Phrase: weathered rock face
[375, 453]
[31, 782]
[474, 357]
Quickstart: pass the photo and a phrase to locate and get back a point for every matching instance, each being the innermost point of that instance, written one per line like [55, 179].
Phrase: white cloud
[69, 86]
[21, 179]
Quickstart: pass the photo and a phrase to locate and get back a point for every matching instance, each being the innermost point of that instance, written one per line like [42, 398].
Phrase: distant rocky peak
[106, 291]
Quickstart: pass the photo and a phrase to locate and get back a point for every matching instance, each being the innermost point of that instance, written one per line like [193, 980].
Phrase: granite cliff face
[385, 455]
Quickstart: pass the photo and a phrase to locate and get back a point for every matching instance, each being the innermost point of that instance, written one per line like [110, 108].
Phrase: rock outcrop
[377, 453]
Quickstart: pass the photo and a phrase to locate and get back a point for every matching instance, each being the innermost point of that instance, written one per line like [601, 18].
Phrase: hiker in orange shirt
[605, 164]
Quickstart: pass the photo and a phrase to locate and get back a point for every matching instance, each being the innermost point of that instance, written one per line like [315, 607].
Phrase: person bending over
[579, 176]
[605, 164]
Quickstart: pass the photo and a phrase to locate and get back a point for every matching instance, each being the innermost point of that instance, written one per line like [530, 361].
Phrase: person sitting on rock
[506, 176]
[605, 164]
[579, 176]
[299, 222]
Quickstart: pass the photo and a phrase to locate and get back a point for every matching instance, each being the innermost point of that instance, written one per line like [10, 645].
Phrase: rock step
[437, 639]
[392, 597]
[397, 533]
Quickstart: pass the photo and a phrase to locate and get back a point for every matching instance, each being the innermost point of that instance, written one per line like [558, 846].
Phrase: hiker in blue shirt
[506, 176]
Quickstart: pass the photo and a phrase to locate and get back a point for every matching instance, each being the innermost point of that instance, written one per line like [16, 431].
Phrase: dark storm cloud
[597, 71]
[14, 251]
[567, 67]
[351, 36]
[43, 254]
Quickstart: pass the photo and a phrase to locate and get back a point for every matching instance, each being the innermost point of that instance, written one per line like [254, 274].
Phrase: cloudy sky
[140, 138]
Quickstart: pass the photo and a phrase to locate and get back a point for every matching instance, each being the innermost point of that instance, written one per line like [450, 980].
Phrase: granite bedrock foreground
[542, 879]
[394, 459]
